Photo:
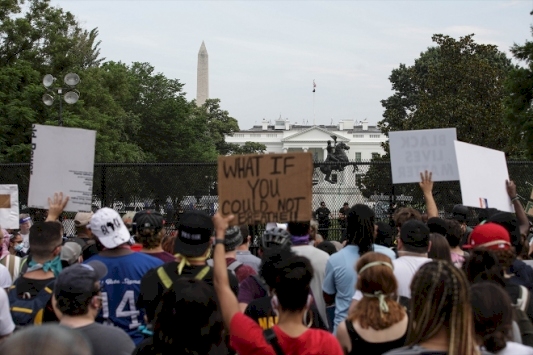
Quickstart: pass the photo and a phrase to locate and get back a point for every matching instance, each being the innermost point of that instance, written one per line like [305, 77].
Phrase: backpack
[231, 267]
[521, 317]
[28, 311]
[167, 282]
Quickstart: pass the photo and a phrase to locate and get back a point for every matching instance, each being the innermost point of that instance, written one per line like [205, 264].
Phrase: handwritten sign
[413, 152]
[62, 160]
[266, 188]
[483, 173]
[9, 206]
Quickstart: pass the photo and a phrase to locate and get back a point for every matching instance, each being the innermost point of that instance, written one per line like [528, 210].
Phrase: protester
[453, 236]
[384, 235]
[299, 232]
[202, 333]
[84, 236]
[15, 244]
[460, 214]
[253, 287]
[260, 309]
[30, 295]
[10, 260]
[378, 323]
[149, 232]
[49, 339]
[327, 247]
[243, 251]
[493, 318]
[340, 278]
[192, 248]
[77, 301]
[290, 300]
[25, 224]
[440, 249]
[343, 212]
[233, 240]
[441, 315]
[70, 254]
[121, 285]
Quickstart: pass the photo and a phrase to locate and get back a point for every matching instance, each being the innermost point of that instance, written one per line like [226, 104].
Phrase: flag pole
[314, 86]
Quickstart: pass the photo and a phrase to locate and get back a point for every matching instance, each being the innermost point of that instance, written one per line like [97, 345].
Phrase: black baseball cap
[194, 233]
[459, 213]
[148, 219]
[79, 279]
[415, 233]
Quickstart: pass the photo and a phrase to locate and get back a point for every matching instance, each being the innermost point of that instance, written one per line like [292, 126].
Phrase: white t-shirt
[318, 259]
[513, 348]
[405, 268]
[6, 322]
[5, 277]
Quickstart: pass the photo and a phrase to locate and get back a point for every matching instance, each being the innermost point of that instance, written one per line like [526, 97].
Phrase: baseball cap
[79, 279]
[415, 233]
[508, 221]
[194, 233]
[233, 238]
[490, 236]
[148, 219]
[70, 252]
[108, 227]
[82, 219]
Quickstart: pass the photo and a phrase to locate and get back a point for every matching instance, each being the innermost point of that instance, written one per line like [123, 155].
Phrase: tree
[247, 148]
[458, 83]
[219, 124]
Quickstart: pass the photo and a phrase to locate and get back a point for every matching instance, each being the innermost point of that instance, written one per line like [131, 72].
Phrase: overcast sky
[264, 55]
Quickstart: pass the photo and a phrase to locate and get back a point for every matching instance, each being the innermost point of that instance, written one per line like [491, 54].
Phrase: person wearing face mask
[11, 260]
[77, 299]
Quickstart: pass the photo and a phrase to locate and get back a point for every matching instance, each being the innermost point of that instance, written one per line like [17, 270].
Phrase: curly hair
[378, 278]
[406, 214]
[76, 305]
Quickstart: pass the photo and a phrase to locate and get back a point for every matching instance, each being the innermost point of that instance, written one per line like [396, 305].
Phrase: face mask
[19, 247]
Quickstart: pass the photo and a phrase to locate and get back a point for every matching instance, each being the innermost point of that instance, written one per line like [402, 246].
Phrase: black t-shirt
[33, 287]
[322, 213]
[147, 348]
[260, 310]
[152, 289]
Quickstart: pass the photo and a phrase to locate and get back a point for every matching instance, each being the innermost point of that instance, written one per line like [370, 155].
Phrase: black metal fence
[173, 188]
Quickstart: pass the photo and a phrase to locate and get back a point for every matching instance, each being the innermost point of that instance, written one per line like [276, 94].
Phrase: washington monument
[202, 85]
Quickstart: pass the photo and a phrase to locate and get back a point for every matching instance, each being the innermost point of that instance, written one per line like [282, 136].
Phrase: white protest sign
[62, 160]
[483, 173]
[413, 152]
[9, 206]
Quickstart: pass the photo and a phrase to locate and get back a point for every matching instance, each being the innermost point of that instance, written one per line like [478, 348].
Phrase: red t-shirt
[246, 337]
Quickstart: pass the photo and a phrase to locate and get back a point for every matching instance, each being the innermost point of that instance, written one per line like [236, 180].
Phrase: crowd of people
[123, 285]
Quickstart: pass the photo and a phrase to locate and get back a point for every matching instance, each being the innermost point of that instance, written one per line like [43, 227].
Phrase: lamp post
[69, 93]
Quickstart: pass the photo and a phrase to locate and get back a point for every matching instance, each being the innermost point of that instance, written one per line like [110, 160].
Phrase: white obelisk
[202, 87]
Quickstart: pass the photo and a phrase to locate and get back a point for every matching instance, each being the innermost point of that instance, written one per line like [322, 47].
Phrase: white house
[282, 136]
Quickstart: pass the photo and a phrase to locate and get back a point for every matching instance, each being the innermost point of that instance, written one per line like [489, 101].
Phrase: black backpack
[28, 310]
[521, 317]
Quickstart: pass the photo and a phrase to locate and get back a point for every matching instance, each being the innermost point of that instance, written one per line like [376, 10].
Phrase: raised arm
[521, 216]
[229, 305]
[426, 185]
[56, 206]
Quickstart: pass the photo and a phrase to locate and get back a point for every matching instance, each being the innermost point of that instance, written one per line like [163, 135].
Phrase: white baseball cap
[106, 224]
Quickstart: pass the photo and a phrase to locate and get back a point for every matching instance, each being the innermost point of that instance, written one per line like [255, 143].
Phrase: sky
[264, 55]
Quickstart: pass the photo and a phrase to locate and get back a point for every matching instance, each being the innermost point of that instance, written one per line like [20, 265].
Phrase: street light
[70, 95]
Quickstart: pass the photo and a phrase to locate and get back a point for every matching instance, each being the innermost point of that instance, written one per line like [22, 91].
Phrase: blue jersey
[120, 290]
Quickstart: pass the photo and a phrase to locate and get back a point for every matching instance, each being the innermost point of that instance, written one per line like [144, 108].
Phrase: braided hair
[360, 229]
[441, 298]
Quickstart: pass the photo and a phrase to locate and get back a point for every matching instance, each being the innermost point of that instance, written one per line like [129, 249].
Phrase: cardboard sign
[9, 206]
[62, 160]
[483, 174]
[413, 152]
[266, 188]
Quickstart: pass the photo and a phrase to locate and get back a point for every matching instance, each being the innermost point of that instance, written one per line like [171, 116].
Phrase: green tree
[458, 83]
[247, 148]
[219, 124]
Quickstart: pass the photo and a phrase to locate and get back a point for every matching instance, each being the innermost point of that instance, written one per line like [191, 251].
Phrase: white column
[305, 149]
[285, 150]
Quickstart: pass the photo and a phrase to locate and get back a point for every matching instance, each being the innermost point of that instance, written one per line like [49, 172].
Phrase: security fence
[173, 188]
